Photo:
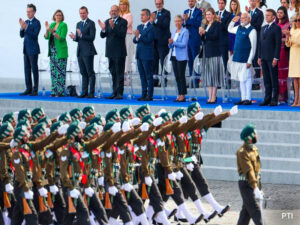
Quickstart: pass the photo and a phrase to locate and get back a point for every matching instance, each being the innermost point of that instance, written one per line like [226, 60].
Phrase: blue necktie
[81, 26]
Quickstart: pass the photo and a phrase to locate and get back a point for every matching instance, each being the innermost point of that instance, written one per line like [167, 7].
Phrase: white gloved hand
[28, 195]
[9, 188]
[161, 112]
[183, 119]
[179, 175]
[43, 192]
[126, 126]
[13, 143]
[218, 110]
[190, 167]
[63, 129]
[157, 122]
[144, 127]
[148, 181]
[128, 187]
[74, 193]
[82, 124]
[112, 190]
[101, 181]
[48, 132]
[135, 121]
[194, 158]
[54, 189]
[172, 176]
[199, 116]
[257, 193]
[116, 127]
[89, 191]
[100, 128]
[234, 110]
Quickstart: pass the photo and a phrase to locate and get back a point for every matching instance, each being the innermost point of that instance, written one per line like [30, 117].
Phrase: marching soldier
[24, 114]
[37, 114]
[9, 118]
[88, 113]
[248, 163]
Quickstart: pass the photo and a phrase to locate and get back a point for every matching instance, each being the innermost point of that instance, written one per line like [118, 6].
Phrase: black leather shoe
[226, 209]
[183, 220]
[33, 94]
[143, 98]
[199, 219]
[174, 211]
[264, 103]
[247, 102]
[148, 98]
[82, 96]
[118, 97]
[211, 216]
[273, 104]
[91, 96]
[110, 97]
[25, 93]
[239, 103]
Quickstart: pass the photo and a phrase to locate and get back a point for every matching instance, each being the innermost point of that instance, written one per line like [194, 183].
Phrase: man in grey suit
[85, 36]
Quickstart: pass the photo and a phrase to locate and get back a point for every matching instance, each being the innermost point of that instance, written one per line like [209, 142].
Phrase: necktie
[251, 13]
[81, 26]
[190, 14]
[267, 27]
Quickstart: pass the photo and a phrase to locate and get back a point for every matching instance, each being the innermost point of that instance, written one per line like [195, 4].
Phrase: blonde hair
[213, 12]
[296, 16]
[238, 8]
[125, 2]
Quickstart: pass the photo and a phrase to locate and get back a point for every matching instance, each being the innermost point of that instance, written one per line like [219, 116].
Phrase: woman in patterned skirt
[58, 51]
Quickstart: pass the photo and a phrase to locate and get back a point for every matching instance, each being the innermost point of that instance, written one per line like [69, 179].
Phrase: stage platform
[278, 131]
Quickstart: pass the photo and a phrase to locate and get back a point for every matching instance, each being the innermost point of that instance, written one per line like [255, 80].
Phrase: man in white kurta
[243, 55]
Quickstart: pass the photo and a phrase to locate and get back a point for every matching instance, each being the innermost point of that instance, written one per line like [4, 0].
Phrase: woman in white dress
[294, 8]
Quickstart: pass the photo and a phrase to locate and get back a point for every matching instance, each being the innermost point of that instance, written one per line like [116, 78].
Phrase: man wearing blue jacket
[144, 38]
[30, 30]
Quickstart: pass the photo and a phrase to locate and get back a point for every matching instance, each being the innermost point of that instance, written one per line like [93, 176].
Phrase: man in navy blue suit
[144, 38]
[192, 21]
[224, 17]
[30, 30]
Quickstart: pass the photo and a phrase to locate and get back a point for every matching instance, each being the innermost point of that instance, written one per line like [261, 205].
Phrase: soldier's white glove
[9, 188]
[13, 143]
[54, 189]
[48, 132]
[234, 110]
[258, 194]
[128, 187]
[125, 126]
[82, 124]
[148, 181]
[218, 110]
[183, 119]
[74, 193]
[116, 127]
[157, 122]
[43, 192]
[100, 128]
[161, 112]
[112, 190]
[101, 181]
[28, 195]
[190, 167]
[135, 121]
[144, 127]
[172, 176]
[179, 175]
[194, 158]
[63, 129]
[89, 191]
[199, 116]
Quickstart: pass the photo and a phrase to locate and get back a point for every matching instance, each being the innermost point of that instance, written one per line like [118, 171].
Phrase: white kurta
[239, 70]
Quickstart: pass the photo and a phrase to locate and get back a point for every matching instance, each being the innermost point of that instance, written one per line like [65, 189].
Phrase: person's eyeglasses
[298, 20]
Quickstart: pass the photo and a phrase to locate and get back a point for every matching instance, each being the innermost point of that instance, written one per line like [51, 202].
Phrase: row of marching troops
[80, 168]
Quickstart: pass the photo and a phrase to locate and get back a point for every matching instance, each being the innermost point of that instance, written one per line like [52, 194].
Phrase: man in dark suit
[114, 30]
[192, 21]
[161, 22]
[225, 17]
[30, 30]
[257, 19]
[85, 36]
[144, 38]
[268, 56]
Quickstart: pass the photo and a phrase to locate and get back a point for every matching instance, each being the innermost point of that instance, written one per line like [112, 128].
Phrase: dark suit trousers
[86, 66]
[193, 52]
[179, 71]
[270, 75]
[146, 75]
[160, 53]
[117, 68]
[31, 65]
[250, 208]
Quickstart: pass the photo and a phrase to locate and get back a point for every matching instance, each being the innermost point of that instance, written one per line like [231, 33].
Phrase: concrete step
[268, 163]
[263, 135]
[280, 150]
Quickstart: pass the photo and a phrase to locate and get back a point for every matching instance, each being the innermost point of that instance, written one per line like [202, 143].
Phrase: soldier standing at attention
[248, 163]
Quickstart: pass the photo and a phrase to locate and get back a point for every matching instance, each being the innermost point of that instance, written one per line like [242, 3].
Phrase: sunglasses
[298, 20]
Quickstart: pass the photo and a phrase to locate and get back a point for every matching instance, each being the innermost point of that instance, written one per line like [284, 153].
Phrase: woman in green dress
[56, 34]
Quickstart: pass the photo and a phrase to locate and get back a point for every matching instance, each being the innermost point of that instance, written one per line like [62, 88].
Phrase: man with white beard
[243, 55]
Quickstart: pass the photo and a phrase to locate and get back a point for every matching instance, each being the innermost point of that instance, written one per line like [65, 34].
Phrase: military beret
[65, 117]
[46, 121]
[91, 130]
[9, 117]
[108, 126]
[55, 126]
[143, 111]
[112, 116]
[25, 123]
[19, 133]
[88, 111]
[193, 109]
[98, 120]
[5, 130]
[24, 114]
[166, 116]
[125, 112]
[39, 130]
[75, 113]
[73, 130]
[178, 114]
[148, 119]
[37, 113]
[249, 132]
